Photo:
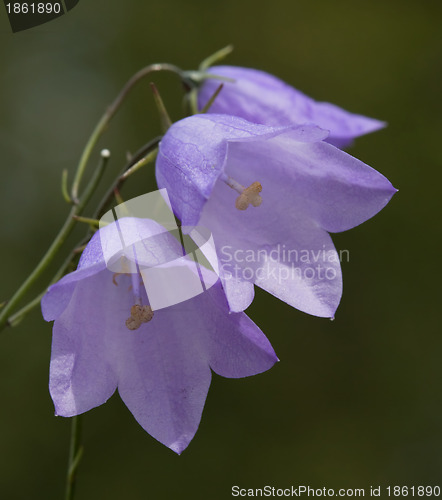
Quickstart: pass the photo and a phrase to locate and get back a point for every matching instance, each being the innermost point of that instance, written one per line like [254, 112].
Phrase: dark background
[354, 402]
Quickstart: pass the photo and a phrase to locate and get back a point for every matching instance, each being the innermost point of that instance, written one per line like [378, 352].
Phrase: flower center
[138, 315]
[247, 195]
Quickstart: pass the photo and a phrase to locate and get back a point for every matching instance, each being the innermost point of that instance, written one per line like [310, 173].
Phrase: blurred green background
[354, 402]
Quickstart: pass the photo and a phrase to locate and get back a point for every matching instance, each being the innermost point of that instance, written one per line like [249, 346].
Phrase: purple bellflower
[292, 189]
[106, 336]
[262, 98]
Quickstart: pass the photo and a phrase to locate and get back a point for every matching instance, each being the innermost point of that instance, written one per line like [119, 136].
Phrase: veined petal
[162, 365]
[310, 280]
[58, 296]
[262, 98]
[82, 375]
[325, 184]
[287, 254]
[164, 372]
[192, 156]
[236, 346]
[164, 377]
[140, 240]
[308, 187]
[239, 292]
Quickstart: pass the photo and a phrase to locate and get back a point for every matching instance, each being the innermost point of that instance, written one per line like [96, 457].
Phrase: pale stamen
[247, 195]
[138, 315]
[115, 276]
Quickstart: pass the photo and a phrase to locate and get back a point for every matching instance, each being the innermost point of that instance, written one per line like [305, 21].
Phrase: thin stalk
[15, 319]
[64, 186]
[20, 314]
[61, 237]
[140, 163]
[165, 120]
[216, 57]
[140, 154]
[108, 115]
[109, 195]
[75, 454]
[93, 223]
[209, 103]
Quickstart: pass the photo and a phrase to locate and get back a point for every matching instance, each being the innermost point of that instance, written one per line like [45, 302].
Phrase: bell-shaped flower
[106, 336]
[262, 98]
[270, 196]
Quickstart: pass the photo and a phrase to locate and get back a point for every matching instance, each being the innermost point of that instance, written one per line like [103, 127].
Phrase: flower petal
[327, 185]
[192, 154]
[142, 240]
[164, 378]
[164, 372]
[236, 346]
[162, 368]
[82, 375]
[286, 254]
[239, 293]
[309, 187]
[262, 98]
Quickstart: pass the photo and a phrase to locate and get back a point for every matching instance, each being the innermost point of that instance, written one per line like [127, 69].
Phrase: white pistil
[247, 195]
[139, 314]
[135, 279]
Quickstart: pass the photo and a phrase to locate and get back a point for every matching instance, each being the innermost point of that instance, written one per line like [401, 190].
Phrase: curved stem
[56, 244]
[139, 155]
[108, 115]
[136, 157]
[15, 319]
[216, 57]
[149, 158]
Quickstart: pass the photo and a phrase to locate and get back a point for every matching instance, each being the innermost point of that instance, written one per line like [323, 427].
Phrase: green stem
[64, 186]
[136, 158]
[61, 237]
[93, 223]
[216, 57]
[139, 164]
[15, 319]
[108, 115]
[109, 195]
[165, 120]
[19, 315]
[75, 454]
[209, 103]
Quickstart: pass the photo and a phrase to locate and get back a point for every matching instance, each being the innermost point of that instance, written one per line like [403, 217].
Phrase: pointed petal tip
[368, 125]
[178, 446]
[372, 125]
[391, 191]
[58, 412]
[326, 311]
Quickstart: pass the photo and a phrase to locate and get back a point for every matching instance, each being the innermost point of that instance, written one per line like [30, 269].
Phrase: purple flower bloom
[300, 188]
[105, 337]
[262, 98]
